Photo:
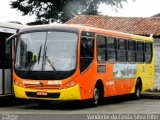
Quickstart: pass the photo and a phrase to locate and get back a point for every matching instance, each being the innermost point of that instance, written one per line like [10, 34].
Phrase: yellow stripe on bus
[142, 38]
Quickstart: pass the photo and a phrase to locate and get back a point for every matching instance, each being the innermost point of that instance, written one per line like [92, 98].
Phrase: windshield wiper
[39, 53]
[48, 60]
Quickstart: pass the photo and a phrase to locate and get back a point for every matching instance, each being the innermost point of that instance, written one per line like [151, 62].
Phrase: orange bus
[75, 62]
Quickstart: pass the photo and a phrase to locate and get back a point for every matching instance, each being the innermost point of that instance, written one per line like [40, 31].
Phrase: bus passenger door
[87, 67]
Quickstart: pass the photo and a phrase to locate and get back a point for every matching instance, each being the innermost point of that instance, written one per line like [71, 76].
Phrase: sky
[139, 8]
[8, 14]
[134, 8]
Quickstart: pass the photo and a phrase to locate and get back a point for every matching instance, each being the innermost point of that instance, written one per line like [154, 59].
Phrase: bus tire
[97, 94]
[95, 100]
[138, 89]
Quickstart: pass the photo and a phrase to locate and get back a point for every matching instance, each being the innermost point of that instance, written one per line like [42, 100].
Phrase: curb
[151, 95]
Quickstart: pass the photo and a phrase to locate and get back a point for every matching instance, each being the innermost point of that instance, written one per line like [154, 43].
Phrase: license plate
[42, 93]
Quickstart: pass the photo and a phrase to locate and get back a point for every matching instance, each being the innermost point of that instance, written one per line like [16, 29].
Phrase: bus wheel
[96, 95]
[137, 93]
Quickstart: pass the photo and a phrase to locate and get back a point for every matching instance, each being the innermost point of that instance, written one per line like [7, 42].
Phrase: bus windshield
[47, 51]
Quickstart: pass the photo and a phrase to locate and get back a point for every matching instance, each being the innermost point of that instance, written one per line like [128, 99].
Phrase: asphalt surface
[78, 110]
[151, 94]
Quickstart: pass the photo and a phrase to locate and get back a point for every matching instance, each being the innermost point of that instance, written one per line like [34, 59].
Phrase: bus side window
[148, 52]
[101, 48]
[140, 52]
[121, 53]
[86, 51]
[131, 51]
[111, 49]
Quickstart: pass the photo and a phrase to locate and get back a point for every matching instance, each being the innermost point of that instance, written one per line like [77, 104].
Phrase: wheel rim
[96, 96]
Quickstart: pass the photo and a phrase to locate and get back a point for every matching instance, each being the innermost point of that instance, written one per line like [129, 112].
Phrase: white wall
[157, 63]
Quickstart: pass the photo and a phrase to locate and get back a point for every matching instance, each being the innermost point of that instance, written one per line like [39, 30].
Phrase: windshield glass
[47, 51]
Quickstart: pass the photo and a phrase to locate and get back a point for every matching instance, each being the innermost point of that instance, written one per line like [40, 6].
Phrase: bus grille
[49, 95]
[42, 87]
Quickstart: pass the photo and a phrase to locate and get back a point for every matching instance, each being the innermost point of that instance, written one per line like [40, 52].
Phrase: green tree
[48, 11]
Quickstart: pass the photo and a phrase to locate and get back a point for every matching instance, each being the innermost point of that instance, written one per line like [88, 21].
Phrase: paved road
[78, 110]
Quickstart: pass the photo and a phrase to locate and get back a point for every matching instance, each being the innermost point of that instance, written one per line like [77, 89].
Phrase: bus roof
[77, 27]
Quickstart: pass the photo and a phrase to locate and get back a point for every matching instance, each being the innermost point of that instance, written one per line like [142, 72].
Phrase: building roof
[133, 25]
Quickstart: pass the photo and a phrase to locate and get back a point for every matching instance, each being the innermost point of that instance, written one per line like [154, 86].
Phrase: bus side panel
[115, 83]
[146, 73]
[132, 85]
[110, 83]
[148, 80]
[103, 74]
[124, 75]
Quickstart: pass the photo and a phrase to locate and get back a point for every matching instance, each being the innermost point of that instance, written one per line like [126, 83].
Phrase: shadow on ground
[12, 101]
[77, 105]
[67, 105]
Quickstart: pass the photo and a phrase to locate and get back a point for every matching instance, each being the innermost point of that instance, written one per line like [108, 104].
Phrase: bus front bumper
[72, 93]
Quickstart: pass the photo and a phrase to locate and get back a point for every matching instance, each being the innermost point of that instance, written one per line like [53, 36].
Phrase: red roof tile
[134, 25]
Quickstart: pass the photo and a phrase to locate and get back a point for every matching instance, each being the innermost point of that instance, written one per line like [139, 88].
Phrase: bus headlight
[16, 82]
[70, 84]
